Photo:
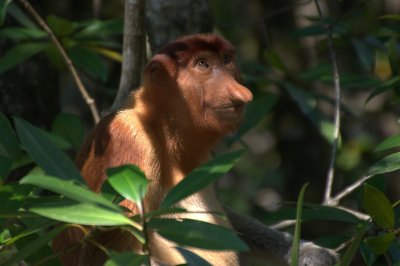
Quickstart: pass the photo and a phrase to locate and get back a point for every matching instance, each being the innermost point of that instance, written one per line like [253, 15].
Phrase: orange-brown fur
[167, 128]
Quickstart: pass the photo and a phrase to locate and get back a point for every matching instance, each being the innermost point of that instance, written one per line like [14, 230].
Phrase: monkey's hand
[272, 243]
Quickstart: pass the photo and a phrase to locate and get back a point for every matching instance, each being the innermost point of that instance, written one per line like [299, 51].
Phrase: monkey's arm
[262, 239]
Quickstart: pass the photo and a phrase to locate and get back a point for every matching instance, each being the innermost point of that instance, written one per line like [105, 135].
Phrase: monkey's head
[197, 75]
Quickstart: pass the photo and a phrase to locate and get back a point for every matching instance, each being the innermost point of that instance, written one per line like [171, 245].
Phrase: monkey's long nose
[240, 93]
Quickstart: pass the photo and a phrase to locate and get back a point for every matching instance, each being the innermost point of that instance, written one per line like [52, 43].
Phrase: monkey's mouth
[231, 112]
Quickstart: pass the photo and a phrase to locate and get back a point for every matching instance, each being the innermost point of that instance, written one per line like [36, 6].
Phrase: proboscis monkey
[189, 100]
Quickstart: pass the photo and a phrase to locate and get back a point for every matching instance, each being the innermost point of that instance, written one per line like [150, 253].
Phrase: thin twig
[283, 224]
[336, 78]
[350, 189]
[89, 101]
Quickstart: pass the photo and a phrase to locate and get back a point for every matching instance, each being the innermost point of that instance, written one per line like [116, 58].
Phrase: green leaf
[380, 244]
[35, 245]
[19, 53]
[45, 153]
[351, 250]
[389, 163]
[385, 86]
[35, 228]
[69, 190]
[296, 237]
[60, 27]
[9, 146]
[80, 213]
[22, 34]
[201, 177]
[130, 182]
[315, 212]
[98, 28]
[316, 72]
[5, 167]
[3, 10]
[69, 127]
[378, 207]
[192, 259]
[198, 234]
[391, 17]
[307, 103]
[88, 61]
[20, 16]
[127, 259]
[389, 143]
[255, 112]
[274, 60]
[365, 53]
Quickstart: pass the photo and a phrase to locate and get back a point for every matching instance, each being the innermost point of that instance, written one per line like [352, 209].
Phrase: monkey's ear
[160, 69]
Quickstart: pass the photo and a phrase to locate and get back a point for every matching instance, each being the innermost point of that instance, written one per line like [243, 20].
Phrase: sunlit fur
[167, 128]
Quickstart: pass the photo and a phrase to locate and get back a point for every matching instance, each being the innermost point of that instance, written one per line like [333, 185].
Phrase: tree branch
[336, 78]
[133, 50]
[89, 101]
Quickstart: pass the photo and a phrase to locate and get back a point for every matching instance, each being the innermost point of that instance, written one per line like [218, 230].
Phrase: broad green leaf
[3, 10]
[389, 163]
[314, 212]
[198, 234]
[57, 140]
[380, 244]
[5, 167]
[378, 207]
[192, 259]
[201, 177]
[127, 259]
[9, 146]
[296, 237]
[254, 113]
[35, 245]
[98, 28]
[22, 34]
[52, 160]
[352, 248]
[68, 189]
[81, 213]
[389, 143]
[130, 182]
[18, 54]
[60, 27]
[69, 127]
[88, 61]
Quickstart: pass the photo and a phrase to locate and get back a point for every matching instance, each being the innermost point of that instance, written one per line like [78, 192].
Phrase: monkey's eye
[202, 63]
[227, 59]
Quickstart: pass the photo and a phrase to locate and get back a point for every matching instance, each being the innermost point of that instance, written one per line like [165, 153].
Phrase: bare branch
[349, 189]
[133, 50]
[89, 101]
[359, 215]
[336, 78]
